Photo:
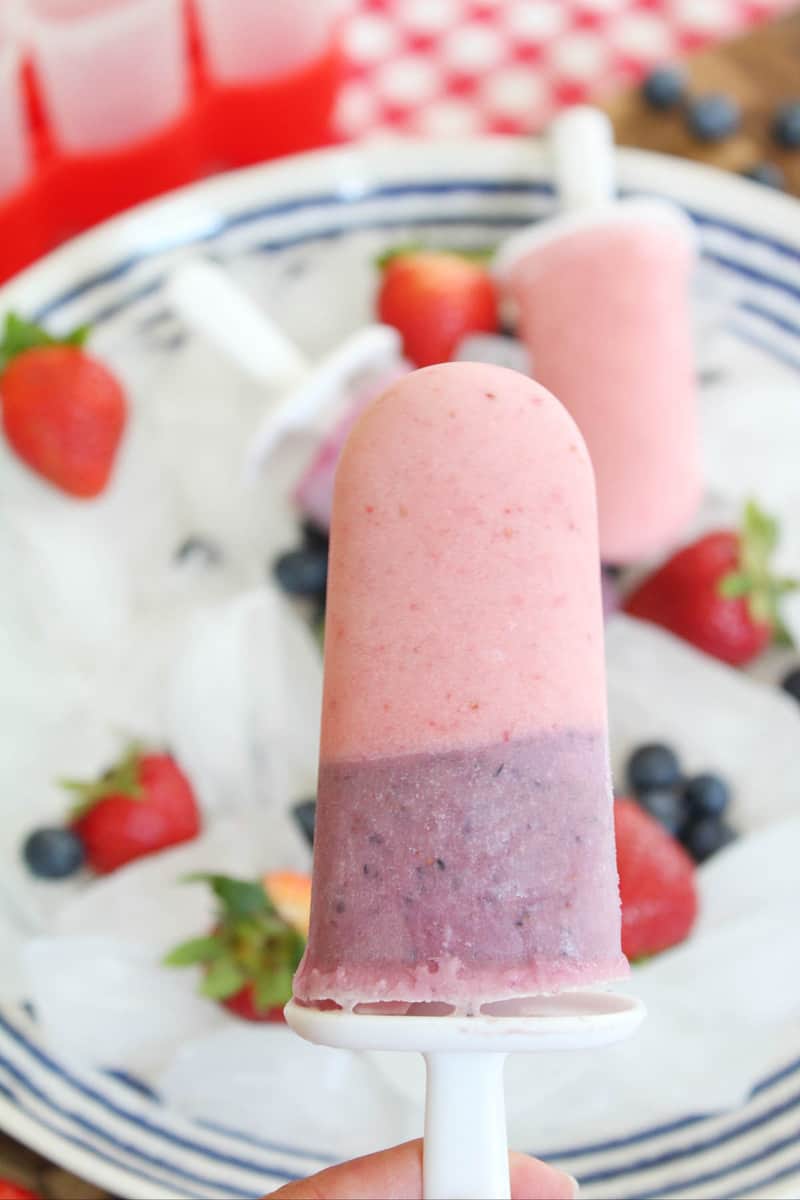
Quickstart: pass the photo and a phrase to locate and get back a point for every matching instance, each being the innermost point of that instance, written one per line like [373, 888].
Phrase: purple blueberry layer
[464, 877]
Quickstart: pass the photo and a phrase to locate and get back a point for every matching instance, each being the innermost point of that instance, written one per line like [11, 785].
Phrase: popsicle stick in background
[251, 41]
[15, 154]
[111, 71]
[297, 391]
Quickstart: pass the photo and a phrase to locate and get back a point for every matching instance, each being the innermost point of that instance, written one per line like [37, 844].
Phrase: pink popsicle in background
[464, 849]
[602, 293]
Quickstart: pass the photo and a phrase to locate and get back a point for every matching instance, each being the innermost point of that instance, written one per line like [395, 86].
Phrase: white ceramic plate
[274, 224]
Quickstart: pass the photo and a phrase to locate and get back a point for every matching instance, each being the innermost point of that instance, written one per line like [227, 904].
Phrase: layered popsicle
[464, 849]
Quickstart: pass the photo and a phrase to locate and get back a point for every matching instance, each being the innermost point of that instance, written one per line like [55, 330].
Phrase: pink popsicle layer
[604, 309]
[464, 590]
[464, 848]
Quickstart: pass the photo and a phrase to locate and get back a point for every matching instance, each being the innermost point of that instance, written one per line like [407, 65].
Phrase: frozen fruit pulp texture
[464, 847]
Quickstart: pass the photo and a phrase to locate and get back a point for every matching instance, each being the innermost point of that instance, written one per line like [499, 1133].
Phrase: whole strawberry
[143, 804]
[63, 412]
[254, 949]
[656, 883]
[435, 299]
[719, 593]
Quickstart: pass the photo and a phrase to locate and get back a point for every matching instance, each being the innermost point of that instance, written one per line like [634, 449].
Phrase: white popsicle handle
[217, 308]
[374, 346]
[582, 145]
[466, 1145]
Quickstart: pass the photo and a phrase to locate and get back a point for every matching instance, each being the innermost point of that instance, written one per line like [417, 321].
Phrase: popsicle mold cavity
[464, 847]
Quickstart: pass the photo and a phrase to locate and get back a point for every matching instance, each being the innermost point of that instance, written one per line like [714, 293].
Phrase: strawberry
[719, 593]
[656, 883]
[143, 804]
[15, 1191]
[252, 952]
[63, 411]
[435, 299]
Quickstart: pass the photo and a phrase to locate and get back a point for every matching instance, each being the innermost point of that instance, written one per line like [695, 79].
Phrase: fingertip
[535, 1180]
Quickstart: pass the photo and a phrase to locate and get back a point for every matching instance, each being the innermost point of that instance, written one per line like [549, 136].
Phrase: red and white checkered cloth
[461, 67]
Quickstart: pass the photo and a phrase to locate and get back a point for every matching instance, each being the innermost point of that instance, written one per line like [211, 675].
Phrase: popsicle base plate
[569, 1021]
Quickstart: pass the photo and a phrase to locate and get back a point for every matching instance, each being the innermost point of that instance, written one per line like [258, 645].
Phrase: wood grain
[760, 70]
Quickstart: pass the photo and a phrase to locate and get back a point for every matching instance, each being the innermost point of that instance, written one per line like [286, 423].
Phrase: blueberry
[786, 125]
[304, 814]
[767, 173]
[200, 550]
[665, 87]
[653, 766]
[705, 836]
[53, 853]
[314, 537]
[791, 683]
[714, 117]
[707, 795]
[303, 572]
[668, 807]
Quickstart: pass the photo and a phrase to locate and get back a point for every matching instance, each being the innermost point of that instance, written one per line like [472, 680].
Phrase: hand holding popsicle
[396, 1174]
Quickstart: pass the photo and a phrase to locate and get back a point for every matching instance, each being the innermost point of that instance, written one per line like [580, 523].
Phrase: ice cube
[110, 1003]
[244, 703]
[281, 1088]
[747, 455]
[146, 903]
[718, 719]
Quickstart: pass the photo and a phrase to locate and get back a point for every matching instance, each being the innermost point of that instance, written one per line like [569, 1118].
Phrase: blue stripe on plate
[697, 1147]
[92, 1147]
[140, 1121]
[765, 1181]
[753, 339]
[753, 273]
[171, 1167]
[758, 310]
[656, 1131]
[669, 1188]
[343, 198]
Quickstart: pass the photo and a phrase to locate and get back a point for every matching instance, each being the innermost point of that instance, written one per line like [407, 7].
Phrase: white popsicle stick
[208, 300]
[582, 145]
[373, 347]
[466, 1146]
[210, 303]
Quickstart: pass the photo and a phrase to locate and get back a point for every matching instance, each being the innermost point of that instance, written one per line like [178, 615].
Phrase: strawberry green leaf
[119, 780]
[20, 335]
[240, 897]
[198, 950]
[754, 581]
[734, 585]
[224, 979]
[273, 988]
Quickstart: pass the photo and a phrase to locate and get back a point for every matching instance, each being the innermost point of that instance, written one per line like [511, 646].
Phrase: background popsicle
[464, 846]
[602, 294]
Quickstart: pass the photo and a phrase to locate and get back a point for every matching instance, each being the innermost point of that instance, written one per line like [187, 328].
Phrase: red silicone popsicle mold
[222, 127]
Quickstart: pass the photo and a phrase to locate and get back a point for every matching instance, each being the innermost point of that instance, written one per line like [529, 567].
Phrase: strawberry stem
[754, 580]
[251, 944]
[119, 780]
[20, 335]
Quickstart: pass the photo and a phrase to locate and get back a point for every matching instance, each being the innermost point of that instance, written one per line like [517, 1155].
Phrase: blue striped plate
[108, 1127]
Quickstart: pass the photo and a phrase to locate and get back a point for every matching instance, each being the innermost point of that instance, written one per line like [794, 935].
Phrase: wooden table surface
[761, 70]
